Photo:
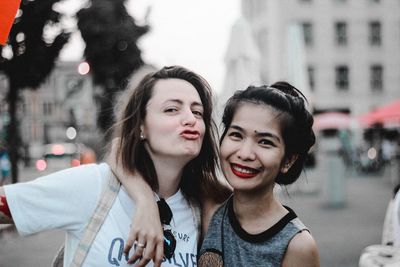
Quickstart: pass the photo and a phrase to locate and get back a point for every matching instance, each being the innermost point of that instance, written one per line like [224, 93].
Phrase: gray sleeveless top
[229, 240]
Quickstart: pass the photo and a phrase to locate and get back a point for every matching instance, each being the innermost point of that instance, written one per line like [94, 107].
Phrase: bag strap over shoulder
[103, 207]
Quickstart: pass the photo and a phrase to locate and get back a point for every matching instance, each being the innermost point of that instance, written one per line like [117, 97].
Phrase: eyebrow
[180, 102]
[258, 134]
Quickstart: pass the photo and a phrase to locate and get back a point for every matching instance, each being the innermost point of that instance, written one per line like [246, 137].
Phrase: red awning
[332, 120]
[387, 114]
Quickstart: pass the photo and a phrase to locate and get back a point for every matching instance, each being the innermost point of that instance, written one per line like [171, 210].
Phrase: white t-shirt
[67, 199]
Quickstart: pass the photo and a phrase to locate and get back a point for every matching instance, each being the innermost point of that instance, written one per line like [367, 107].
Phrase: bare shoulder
[302, 251]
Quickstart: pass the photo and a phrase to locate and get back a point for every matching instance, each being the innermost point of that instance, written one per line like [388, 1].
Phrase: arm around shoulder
[302, 252]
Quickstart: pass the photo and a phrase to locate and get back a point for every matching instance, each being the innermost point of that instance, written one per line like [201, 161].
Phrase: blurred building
[349, 54]
[65, 99]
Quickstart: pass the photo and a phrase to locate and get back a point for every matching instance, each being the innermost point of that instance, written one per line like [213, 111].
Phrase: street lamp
[71, 133]
[83, 68]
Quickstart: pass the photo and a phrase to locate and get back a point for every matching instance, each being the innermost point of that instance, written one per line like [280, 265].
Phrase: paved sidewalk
[342, 232]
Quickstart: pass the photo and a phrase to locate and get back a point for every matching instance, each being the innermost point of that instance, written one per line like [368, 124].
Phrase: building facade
[351, 48]
[65, 99]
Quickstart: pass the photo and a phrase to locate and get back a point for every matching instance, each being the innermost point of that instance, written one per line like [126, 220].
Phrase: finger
[147, 254]
[133, 236]
[159, 253]
[139, 248]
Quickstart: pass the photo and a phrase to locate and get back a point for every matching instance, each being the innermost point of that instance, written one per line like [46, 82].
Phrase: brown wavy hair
[199, 175]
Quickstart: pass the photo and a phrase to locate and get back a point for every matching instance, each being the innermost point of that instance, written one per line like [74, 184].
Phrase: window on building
[47, 108]
[376, 77]
[308, 33]
[311, 77]
[375, 33]
[341, 33]
[342, 77]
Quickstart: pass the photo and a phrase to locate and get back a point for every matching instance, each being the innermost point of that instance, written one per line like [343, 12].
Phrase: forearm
[138, 189]
[146, 227]
[5, 215]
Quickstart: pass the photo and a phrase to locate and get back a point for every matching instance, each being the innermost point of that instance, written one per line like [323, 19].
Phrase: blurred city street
[65, 66]
[341, 232]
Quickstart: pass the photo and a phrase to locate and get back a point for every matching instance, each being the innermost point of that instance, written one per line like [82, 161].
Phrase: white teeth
[243, 170]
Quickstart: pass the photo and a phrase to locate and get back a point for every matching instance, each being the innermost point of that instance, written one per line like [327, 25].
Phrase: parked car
[57, 156]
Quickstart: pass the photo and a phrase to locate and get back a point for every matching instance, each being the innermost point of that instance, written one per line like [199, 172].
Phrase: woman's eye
[198, 113]
[235, 135]
[170, 110]
[266, 142]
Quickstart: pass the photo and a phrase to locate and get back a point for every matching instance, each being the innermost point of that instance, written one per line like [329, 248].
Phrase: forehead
[257, 118]
[174, 89]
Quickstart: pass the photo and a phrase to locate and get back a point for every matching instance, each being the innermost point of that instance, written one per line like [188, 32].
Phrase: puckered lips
[243, 171]
[190, 134]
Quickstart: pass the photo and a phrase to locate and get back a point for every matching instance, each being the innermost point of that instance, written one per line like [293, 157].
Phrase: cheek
[225, 166]
[202, 128]
[161, 127]
[224, 151]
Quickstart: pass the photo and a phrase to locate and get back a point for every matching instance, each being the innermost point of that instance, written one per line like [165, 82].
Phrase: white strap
[103, 207]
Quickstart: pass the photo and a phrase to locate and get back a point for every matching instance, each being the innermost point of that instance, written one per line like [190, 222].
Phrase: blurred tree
[111, 36]
[34, 43]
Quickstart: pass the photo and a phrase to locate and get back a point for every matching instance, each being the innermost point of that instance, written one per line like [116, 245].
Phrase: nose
[188, 118]
[246, 152]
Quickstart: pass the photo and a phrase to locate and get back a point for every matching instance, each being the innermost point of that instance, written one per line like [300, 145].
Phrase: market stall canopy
[388, 115]
[332, 120]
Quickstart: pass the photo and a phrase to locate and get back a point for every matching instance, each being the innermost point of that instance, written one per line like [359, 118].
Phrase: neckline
[263, 236]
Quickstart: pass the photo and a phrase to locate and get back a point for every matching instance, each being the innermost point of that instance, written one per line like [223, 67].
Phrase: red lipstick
[243, 171]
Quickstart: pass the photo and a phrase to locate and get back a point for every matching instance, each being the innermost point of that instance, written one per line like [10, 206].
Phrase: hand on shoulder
[302, 251]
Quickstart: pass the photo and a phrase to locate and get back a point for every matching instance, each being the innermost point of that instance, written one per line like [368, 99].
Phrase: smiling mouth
[190, 135]
[243, 172]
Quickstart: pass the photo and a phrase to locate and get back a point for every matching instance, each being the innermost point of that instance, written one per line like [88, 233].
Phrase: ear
[142, 132]
[288, 163]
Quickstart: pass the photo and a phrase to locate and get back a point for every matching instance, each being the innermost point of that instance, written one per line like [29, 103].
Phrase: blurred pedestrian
[5, 166]
[388, 150]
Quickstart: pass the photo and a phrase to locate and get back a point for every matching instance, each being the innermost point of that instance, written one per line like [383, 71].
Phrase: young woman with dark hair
[166, 135]
[266, 138]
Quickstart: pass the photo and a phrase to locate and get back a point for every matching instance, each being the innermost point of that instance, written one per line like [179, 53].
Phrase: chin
[194, 151]
[242, 185]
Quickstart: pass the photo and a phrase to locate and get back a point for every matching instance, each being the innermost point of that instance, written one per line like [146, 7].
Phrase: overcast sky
[191, 33]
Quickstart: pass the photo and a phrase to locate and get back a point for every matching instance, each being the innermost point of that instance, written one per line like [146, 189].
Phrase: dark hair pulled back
[295, 120]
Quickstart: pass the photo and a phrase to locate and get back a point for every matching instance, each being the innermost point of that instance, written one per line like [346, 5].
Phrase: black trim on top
[263, 236]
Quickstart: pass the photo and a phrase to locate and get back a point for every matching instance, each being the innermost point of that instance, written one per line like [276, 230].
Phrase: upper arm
[55, 201]
[302, 251]
[5, 215]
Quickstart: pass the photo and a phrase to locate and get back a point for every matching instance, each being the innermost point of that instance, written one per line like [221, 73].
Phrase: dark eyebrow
[267, 134]
[236, 127]
[258, 134]
[180, 102]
